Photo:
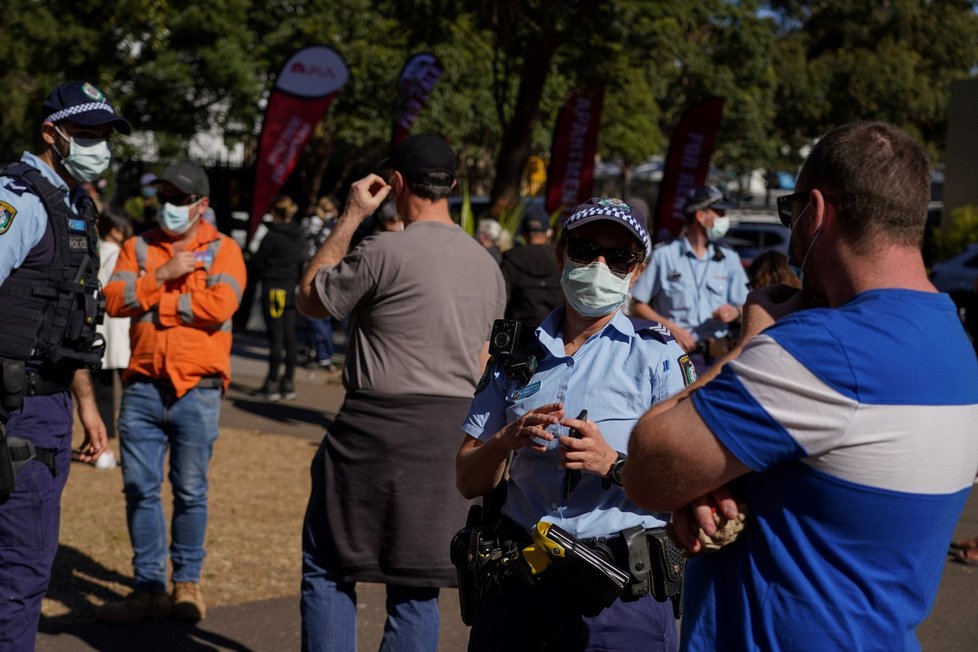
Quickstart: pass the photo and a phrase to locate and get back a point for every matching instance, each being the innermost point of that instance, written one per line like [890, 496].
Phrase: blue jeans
[149, 421]
[322, 337]
[329, 614]
[329, 604]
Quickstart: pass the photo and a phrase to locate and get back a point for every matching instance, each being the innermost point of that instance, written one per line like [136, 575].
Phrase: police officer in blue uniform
[694, 286]
[51, 304]
[605, 368]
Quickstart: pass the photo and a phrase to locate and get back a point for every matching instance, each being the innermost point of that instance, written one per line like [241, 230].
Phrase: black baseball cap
[423, 158]
[83, 104]
[536, 219]
[704, 197]
[188, 177]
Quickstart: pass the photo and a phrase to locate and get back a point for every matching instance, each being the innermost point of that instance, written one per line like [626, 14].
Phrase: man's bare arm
[674, 458]
[96, 438]
[365, 197]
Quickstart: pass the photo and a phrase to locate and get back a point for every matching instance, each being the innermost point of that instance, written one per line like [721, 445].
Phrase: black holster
[13, 384]
[7, 475]
[463, 559]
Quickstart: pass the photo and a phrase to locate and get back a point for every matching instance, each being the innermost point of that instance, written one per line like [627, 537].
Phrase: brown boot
[138, 605]
[188, 603]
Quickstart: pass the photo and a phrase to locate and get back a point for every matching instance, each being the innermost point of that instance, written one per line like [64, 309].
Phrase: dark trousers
[278, 309]
[30, 518]
[104, 382]
[547, 618]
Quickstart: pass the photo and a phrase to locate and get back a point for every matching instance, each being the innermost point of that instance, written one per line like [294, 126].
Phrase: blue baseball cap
[83, 104]
[704, 197]
[613, 210]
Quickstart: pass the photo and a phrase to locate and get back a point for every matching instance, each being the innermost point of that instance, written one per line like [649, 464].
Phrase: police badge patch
[687, 369]
[7, 213]
[93, 92]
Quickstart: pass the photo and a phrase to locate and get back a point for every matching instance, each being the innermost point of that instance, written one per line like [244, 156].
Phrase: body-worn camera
[512, 343]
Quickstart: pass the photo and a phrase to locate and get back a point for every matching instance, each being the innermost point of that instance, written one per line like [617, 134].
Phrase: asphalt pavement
[273, 625]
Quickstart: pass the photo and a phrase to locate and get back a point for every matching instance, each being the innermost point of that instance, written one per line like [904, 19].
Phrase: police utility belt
[629, 565]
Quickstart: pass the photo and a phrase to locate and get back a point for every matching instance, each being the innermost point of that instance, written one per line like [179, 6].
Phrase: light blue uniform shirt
[23, 219]
[687, 289]
[616, 375]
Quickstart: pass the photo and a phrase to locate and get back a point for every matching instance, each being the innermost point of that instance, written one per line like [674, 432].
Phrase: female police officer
[591, 358]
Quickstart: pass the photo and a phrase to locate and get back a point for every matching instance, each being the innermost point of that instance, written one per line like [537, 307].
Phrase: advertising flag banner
[418, 78]
[305, 87]
[570, 177]
[687, 164]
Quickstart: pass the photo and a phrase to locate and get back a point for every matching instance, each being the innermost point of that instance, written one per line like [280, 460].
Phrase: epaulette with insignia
[651, 330]
[16, 187]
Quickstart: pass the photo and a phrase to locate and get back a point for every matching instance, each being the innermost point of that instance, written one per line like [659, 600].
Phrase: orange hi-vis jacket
[181, 331]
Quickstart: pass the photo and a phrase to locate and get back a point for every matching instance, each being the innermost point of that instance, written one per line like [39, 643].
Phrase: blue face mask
[149, 191]
[175, 220]
[592, 290]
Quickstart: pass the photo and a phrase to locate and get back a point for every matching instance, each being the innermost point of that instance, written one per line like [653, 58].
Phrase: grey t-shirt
[423, 302]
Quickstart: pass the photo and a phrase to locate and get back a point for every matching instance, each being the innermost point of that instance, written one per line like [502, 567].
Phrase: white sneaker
[106, 460]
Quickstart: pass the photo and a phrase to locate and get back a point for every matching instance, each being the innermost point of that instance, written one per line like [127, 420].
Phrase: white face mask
[592, 290]
[87, 157]
[804, 258]
[719, 229]
[175, 220]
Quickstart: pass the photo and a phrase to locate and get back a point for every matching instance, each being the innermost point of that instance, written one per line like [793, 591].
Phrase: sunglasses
[176, 199]
[620, 261]
[786, 204]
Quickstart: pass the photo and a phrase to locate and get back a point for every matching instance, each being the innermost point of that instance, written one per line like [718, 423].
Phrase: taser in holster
[574, 562]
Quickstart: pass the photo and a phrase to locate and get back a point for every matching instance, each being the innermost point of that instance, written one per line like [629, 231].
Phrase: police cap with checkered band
[613, 210]
[82, 104]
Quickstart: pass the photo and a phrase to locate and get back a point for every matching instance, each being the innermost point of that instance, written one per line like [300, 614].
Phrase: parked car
[750, 239]
[958, 276]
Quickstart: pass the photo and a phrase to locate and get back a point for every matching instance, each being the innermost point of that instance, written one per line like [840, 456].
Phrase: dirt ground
[259, 486]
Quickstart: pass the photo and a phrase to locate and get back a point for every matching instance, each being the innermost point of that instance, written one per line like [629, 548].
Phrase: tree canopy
[790, 70]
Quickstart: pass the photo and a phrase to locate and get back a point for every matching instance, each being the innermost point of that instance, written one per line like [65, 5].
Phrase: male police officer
[51, 304]
[694, 286]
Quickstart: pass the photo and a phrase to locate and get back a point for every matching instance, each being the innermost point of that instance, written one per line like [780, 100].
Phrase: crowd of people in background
[696, 404]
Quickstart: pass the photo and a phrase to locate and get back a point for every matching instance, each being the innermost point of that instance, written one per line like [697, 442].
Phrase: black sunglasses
[786, 205]
[620, 261]
[178, 199]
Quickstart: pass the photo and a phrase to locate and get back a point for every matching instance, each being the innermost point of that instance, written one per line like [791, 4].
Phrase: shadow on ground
[76, 582]
[281, 411]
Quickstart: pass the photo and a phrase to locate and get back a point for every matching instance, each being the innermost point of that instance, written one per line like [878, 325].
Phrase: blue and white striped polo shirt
[861, 427]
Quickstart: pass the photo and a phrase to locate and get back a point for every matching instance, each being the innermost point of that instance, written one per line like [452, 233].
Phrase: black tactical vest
[53, 301]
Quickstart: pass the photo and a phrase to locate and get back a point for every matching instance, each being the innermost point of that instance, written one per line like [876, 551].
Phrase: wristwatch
[614, 473]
